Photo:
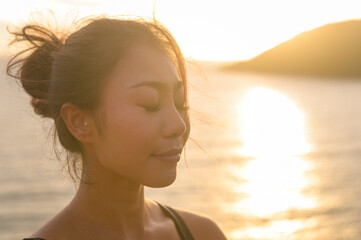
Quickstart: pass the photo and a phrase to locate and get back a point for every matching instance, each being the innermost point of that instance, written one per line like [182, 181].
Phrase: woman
[117, 92]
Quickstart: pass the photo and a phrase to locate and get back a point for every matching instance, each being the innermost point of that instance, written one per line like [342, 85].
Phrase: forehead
[145, 63]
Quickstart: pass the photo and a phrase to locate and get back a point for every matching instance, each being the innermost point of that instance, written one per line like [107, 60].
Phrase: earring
[85, 124]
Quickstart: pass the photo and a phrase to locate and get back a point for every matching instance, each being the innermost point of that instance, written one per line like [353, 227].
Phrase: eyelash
[157, 108]
[152, 109]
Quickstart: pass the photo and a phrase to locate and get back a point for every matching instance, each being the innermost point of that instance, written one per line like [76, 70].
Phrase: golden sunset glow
[275, 230]
[273, 132]
[209, 30]
[275, 110]
[272, 125]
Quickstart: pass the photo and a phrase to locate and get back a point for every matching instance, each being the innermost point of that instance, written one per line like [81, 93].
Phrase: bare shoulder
[54, 228]
[201, 226]
[47, 232]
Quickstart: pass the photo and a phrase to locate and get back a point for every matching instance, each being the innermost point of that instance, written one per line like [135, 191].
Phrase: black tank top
[181, 226]
[179, 223]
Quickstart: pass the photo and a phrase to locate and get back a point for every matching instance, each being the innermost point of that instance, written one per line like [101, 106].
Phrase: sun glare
[273, 130]
[272, 125]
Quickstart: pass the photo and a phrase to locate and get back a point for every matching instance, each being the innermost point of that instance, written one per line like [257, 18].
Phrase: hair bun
[41, 107]
[34, 70]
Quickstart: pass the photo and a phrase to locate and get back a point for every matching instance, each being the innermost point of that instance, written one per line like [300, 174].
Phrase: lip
[172, 155]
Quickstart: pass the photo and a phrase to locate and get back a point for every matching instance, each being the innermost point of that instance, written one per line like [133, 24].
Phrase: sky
[226, 30]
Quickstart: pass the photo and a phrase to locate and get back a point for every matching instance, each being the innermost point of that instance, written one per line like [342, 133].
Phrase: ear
[77, 121]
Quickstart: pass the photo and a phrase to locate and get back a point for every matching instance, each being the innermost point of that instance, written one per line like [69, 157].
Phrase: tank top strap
[33, 239]
[181, 226]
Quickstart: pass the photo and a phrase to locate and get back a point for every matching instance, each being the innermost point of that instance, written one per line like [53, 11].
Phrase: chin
[161, 181]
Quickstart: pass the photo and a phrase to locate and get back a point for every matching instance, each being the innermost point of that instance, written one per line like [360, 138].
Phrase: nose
[175, 123]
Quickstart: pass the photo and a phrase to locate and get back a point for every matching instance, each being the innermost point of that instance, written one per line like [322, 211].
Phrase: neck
[113, 203]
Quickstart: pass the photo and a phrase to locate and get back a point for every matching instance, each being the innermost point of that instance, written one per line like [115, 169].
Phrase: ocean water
[271, 157]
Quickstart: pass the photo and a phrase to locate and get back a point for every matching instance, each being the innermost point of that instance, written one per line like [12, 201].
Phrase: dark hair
[57, 69]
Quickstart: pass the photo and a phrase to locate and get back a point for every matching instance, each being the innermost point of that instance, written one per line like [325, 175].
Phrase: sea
[269, 157]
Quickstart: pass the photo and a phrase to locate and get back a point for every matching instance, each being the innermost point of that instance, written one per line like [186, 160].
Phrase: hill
[333, 50]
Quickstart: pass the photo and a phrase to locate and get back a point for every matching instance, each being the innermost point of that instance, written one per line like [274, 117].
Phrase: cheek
[128, 124]
[130, 137]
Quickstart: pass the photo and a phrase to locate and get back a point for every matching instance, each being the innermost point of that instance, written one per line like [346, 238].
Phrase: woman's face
[144, 121]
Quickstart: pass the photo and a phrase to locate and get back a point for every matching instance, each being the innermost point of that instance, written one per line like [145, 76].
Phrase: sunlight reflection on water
[275, 230]
[274, 135]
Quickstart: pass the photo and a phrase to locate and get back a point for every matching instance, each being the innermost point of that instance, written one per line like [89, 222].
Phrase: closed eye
[157, 108]
[152, 109]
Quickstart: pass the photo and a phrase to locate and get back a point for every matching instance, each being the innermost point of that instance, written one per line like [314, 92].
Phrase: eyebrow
[159, 86]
